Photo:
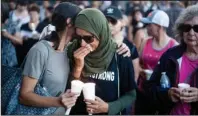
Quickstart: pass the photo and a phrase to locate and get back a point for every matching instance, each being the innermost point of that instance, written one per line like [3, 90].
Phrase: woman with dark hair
[48, 16]
[180, 64]
[93, 57]
[20, 14]
[48, 58]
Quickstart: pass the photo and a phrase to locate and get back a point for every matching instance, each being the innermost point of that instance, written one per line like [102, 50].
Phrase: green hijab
[92, 20]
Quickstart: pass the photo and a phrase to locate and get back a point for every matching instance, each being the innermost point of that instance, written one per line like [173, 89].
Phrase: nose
[191, 32]
[83, 43]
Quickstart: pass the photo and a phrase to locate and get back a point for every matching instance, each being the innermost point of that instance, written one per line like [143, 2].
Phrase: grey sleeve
[34, 65]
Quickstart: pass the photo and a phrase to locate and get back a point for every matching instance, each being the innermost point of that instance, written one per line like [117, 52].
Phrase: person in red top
[180, 64]
[153, 47]
[151, 50]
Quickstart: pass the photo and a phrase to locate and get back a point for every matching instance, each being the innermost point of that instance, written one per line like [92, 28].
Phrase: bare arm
[137, 68]
[139, 36]
[28, 97]
[15, 39]
[130, 35]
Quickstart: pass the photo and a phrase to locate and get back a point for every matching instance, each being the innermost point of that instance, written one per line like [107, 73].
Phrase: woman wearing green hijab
[94, 58]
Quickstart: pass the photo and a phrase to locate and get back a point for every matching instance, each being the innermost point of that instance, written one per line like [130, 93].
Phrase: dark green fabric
[92, 20]
[121, 103]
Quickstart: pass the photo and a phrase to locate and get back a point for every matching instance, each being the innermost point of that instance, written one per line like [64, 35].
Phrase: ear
[69, 22]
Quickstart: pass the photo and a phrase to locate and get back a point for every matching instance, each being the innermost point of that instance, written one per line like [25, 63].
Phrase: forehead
[152, 25]
[33, 12]
[192, 21]
[82, 32]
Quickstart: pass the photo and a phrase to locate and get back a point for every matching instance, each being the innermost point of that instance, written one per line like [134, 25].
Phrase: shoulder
[144, 42]
[128, 43]
[123, 61]
[174, 52]
[40, 47]
[174, 42]
[140, 32]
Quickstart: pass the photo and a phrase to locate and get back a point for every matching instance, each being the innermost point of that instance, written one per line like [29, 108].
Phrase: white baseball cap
[158, 17]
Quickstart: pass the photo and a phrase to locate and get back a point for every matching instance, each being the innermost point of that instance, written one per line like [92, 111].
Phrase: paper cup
[183, 85]
[89, 91]
[148, 73]
[77, 86]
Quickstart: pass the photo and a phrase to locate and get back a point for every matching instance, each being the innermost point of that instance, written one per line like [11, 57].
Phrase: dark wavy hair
[60, 15]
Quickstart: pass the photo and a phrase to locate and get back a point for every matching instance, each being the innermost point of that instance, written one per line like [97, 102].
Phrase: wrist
[76, 72]
[59, 102]
[106, 109]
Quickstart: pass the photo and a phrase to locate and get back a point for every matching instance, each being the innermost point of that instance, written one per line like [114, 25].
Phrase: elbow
[22, 98]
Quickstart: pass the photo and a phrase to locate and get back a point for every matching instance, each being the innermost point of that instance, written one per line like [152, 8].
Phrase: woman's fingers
[81, 53]
[87, 47]
[91, 106]
[188, 99]
[68, 102]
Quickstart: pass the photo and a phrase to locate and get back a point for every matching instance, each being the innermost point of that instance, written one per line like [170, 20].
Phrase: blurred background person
[139, 31]
[12, 5]
[33, 28]
[29, 33]
[173, 13]
[20, 14]
[57, 2]
[96, 4]
[8, 52]
[43, 7]
[48, 16]
[129, 9]
[31, 3]
[164, 5]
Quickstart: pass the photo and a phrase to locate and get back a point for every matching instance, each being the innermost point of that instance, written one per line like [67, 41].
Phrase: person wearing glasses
[115, 20]
[94, 58]
[181, 66]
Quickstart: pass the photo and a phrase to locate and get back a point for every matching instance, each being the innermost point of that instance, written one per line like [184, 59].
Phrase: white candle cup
[89, 91]
[183, 86]
[148, 73]
[76, 87]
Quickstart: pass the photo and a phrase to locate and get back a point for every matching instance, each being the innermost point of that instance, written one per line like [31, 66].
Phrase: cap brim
[113, 17]
[146, 21]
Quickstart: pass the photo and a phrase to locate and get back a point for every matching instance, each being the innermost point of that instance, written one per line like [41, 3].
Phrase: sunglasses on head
[187, 28]
[87, 39]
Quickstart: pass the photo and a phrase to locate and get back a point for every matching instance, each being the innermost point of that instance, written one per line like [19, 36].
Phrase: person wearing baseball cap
[48, 56]
[115, 20]
[151, 50]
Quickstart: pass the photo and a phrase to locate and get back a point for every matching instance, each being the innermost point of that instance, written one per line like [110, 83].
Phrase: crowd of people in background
[140, 38]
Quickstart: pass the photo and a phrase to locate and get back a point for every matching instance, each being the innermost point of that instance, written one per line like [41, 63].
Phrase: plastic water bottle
[164, 81]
